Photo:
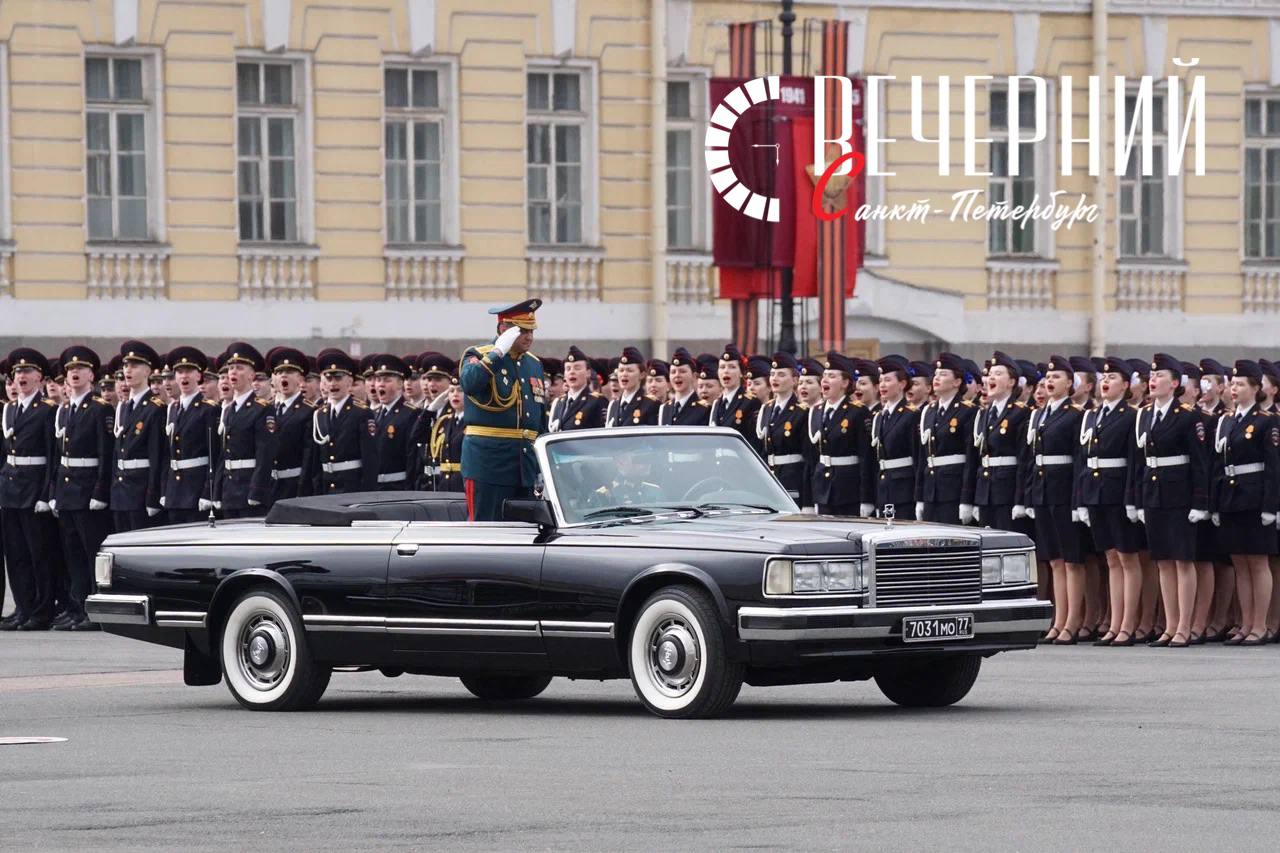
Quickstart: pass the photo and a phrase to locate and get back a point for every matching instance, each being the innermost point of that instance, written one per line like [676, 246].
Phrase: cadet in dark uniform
[505, 410]
[140, 458]
[249, 440]
[343, 431]
[866, 384]
[895, 439]
[1206, 535]
[1107, 449]
[436, 372]
[292, 472]
[759, 369]
[998, 436]
[579, 407]
[632, 408]
[1246, 499]
[1213, 406]
[191, 426]
[395, 420]
[446, 442]
[782, 426]
[684, 408]
[948, 459]
[1172, 466]
[737, 407]
[30, 532]
[81, 480]
[657, 381]
[708, 382]
[844, 479]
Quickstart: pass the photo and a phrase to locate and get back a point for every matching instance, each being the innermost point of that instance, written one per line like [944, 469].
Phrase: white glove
[53, 505]
[41, 506]
[162, 502]
[1268, 519]
[1031, 512]
[1216, 519]
[966, 513]
[1084, 518]
[1132, 513]
[919, 510]
[977, 515]
[438, 404]
[153, 511]
[255, 503]
[506, 339]
[1196, 516]
[867, 510]
[217, 505]
[1142, 516]
[205, 504]
[97, 505]
[1019, 511]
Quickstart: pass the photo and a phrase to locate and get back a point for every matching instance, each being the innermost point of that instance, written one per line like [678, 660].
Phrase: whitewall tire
[264, 655]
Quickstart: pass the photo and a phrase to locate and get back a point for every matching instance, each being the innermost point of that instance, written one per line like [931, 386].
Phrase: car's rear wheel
[265, 659]
[677, 654]
[930, 683]
[505, 688]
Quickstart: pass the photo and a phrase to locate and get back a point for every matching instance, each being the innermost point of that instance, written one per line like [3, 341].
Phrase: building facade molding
[1222, 8]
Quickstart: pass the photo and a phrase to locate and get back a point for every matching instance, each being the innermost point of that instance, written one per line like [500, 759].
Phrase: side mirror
[534, 511]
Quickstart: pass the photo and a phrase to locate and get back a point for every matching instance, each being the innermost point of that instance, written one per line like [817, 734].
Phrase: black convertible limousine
[671, 556]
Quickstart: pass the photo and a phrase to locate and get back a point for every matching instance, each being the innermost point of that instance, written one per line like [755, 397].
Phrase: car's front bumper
[109, 609]
[993, 622]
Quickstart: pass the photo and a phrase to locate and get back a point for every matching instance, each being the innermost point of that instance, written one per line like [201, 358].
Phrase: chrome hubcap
[674, 656]
[264, 650]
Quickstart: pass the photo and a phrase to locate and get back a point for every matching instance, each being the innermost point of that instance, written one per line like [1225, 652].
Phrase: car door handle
[408, 549]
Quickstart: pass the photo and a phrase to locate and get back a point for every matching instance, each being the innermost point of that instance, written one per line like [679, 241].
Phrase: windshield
[629, 474]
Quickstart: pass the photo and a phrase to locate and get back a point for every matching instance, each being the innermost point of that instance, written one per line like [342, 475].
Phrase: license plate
[932, 629]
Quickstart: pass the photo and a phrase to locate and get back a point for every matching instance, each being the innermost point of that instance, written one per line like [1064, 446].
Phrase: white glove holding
[506, 339]
[1216, 519]
[1132, 513]
[153, 511]
[919, 510]
[217, 505]
[1268, 519]
[966, 513]
[1196, 516]
[97, 505]
[162, 502]
[438, 404]
[1142, 516]
[1019, 511]
[1031, 512]
[53, 505]
[205, 505]
[255, 503]
[867, 510]
[977, 515]
[1084, 517]
[41, 506]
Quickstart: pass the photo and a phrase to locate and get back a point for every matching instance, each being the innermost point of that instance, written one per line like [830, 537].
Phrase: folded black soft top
[341, 510]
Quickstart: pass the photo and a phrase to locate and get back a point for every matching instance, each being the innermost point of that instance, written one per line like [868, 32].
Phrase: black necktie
[1159, 416]
[826, 417]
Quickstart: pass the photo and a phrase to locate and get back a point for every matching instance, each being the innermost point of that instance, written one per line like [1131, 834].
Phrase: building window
[119, 98]
[1143, 208]
[1262, 177]
[268, 127]
[686, 186]
[1010, 236]
[556, 143]
[415, 142]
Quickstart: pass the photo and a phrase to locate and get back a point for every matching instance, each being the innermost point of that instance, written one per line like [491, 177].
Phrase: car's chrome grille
[906, 577]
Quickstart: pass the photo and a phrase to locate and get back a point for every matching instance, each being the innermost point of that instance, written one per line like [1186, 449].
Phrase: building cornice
[1171, 8]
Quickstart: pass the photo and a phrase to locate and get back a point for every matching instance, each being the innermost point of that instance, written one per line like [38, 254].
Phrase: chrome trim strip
[603, 630]
[486, 627]
[357, 624]
[180, 618]
[1030, 623]
[111, 609]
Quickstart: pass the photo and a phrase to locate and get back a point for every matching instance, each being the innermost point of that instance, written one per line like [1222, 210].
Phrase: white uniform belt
[238, 464]
[785, 459]
[286, 473]
[1096, 462]
[132, 464]
[1053, 460]
[1247, 468]
[1167, 461]
[950, 459]
[79, 462]
[183, 464]
[900, 462]
[838, 461]
[334, 467]
[394, 477]
[999, 461]
[27, 460]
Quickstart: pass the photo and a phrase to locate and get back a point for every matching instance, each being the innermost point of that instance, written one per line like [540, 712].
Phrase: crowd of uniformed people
[1150, 487]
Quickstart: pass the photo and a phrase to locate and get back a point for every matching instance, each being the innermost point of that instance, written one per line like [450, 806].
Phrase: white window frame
[152, 108]
[1263, 143]
[699, 81]
[1173, 197]
[6, 173]
[589, 120]
[446, 68]
[303, 134]
[1043, 179]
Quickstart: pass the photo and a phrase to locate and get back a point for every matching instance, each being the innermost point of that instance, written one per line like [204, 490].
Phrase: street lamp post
[787, 332]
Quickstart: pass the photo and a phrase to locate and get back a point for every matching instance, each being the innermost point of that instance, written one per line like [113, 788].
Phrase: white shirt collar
[997, 406]
[24, 402]
[830, 405]
[625, 399]
[392, 404]
[680, 401]
[186, 399]
[782, 402]
[571, 396]
[135, 398]
[76, 401]
[240, 399]
[1053, 405]
[728, 396]
[946, 404]
[1240, 413]
[291, 400]
[336, 407]
[890, 408]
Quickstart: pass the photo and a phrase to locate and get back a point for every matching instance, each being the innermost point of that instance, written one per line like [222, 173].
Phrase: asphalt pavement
[1055, 749]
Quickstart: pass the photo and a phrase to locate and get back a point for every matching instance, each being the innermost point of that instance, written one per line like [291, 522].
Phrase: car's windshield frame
[549, 481]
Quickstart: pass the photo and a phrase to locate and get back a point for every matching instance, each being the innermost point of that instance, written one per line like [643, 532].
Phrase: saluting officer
[446, 442]
[895, 439]
[30, 533]
[782, 428]
[843, 478]
[505, 410]
[343, 431]
[292, 472]
[632, 408]
[580, 407]
[190, 425]
[249, 441]
[395, 422]
[139, 442]
[736, 407]
[684, 408]
[948, 464]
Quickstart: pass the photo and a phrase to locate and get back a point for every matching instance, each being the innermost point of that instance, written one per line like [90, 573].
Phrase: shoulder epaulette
[702, 403]
[1186, 408]
[595, 394]
[1019, 405]
[483, 349]
[1075, 408]
[911, 408]
[804, 407]
[359, 405]
[1146, 406]
[158, 402]
[858, 404]
[99, 400]
[534, 357]
[49, 402]
[305, 403]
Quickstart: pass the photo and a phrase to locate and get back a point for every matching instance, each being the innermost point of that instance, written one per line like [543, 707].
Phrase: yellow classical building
[377, 172]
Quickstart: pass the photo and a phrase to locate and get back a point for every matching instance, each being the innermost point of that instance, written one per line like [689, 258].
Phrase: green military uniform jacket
[505, 410]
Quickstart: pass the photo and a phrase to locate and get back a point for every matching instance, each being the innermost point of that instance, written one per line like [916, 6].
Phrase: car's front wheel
[265, 658]
[505, 688]
[930, 683]
[678, 658]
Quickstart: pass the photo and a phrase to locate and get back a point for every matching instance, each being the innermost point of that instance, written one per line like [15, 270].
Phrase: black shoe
[1119, 643]
[64, 625]
[35, 625]
[85, 625]
[1162, 642]
[62, 617]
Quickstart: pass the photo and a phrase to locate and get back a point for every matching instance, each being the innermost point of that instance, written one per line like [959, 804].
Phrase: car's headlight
[102, 565]
[785, 577]
[991, 571]
[1016, 568]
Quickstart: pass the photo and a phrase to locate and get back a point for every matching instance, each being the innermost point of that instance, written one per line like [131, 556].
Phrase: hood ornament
[888, 515]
